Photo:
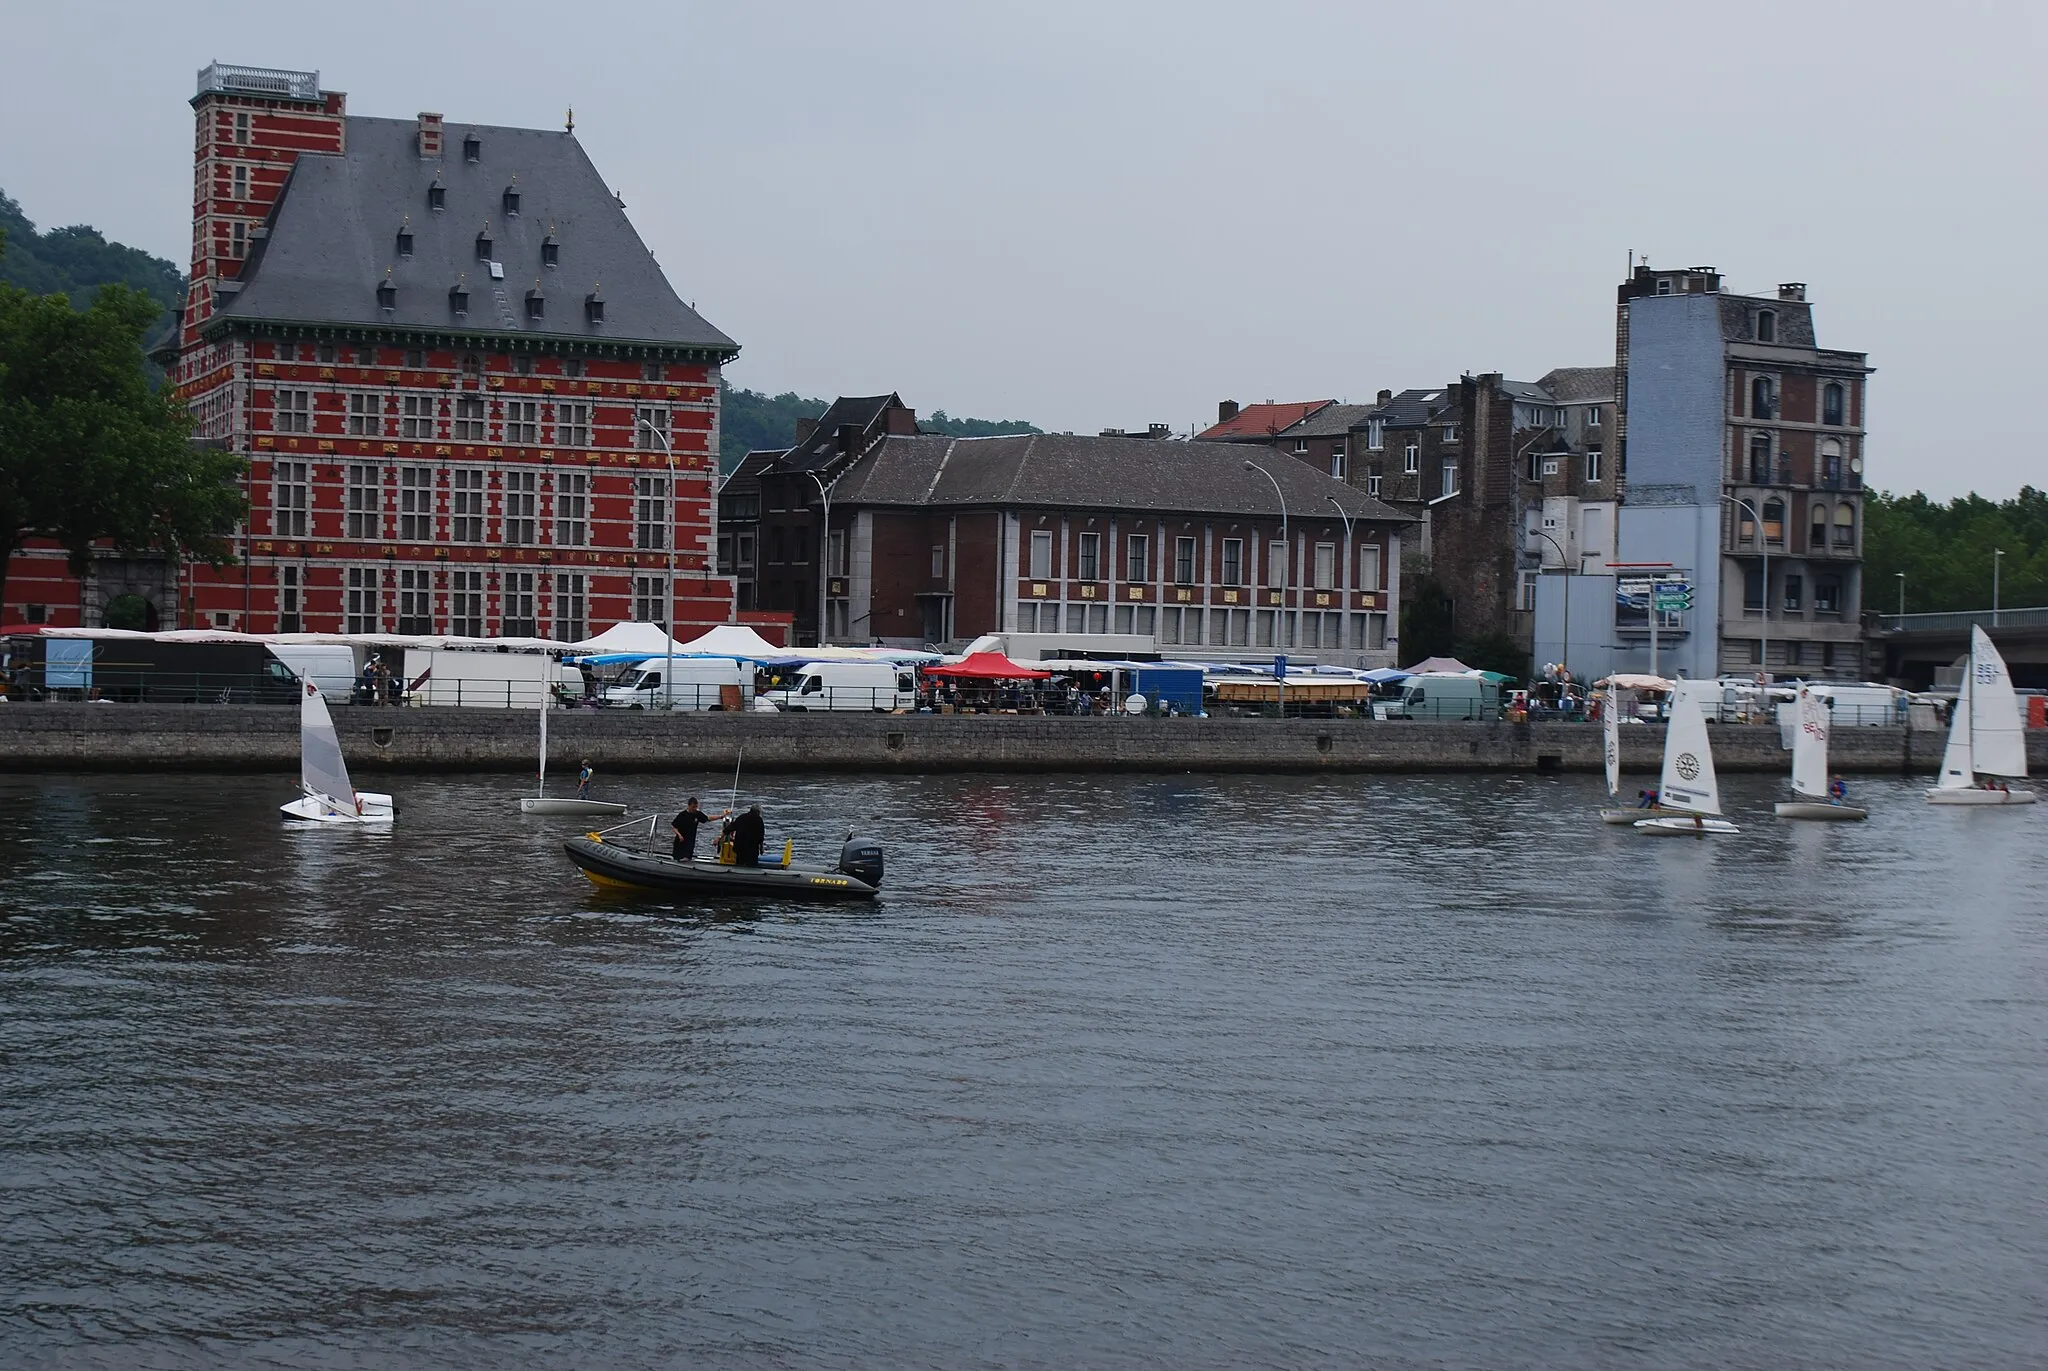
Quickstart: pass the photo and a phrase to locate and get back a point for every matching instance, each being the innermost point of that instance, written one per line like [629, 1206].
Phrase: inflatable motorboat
[615, 866]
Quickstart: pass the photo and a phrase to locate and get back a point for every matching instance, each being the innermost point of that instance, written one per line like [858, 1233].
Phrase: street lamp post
[1764, 542]
[1350, 550]
[668, 540]
[1565, 653]
[824, 543]
[1997, 556]
[1286, 567]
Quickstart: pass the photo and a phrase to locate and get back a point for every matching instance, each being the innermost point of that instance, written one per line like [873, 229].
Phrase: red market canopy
[987, 666]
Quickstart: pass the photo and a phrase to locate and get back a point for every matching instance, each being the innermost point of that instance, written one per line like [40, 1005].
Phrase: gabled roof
[821, 449]
[1257, 423]
[1530, 391]
[1065, 470]
[333, 238]
[1578, 385]
[1411, 408]
[1331, 421]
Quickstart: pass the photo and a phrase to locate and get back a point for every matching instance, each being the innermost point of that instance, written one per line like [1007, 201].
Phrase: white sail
[1998, 742]
[1610, 733]
[1957, 773]
[321, 769]
[1688, 782]
[1810, 746]
[543, 747]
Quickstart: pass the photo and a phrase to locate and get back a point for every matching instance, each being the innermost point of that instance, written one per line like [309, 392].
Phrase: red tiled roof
[1261, 421]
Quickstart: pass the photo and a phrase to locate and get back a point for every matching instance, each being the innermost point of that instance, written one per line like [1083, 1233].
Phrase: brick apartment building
[470, 401]
[944, 539]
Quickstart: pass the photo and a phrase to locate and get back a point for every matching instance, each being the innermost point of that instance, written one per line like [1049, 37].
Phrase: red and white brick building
[470, 401]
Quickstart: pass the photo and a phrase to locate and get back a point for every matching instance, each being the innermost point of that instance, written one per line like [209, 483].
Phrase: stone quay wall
[107, 737]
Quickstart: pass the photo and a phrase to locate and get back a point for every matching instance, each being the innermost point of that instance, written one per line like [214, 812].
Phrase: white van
[1444, 695]
[491, 680]
[878, 686]
[700, 683]
[1851, 703]
[331, 667]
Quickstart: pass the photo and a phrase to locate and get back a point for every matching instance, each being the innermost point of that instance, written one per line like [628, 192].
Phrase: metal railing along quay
[1961, 621]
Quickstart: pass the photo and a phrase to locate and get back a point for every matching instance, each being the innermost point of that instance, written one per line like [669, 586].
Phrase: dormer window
[593, 308]
[536, 303]
[512, 198]
[405, 241]
[472, 147]
[387, 293]
[484, 245]
[550, 251]
[1767, 326]
[437, 196]
[458, 298]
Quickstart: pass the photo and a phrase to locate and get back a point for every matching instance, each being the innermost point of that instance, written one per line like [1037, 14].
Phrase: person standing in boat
[583, 780]
[749, 832]
[685, 826]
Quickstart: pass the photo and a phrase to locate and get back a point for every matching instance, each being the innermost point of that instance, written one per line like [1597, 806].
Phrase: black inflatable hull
[617, 868]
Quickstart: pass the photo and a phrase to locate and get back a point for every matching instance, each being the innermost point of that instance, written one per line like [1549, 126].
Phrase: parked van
[1855, 702]
[700, 683]
[1445, 695]
[878, 686]
[331, 667]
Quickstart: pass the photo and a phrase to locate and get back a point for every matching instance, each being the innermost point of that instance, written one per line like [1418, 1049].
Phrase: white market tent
[622, 638]
[726, 640]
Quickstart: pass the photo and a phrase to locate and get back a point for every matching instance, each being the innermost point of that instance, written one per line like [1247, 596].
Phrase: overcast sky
[1102, 214]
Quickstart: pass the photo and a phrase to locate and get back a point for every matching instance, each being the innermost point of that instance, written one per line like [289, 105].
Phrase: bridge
[1913, 647]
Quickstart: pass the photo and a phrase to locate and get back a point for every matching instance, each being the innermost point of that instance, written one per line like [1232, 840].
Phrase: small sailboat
[1688, 788]
[1810, 765]
[1610, 729]
[1985, 738]
[328, 796]
[540, 803]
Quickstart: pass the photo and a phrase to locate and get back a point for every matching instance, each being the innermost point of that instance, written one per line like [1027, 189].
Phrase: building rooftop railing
[225, 77]
[1961, 621]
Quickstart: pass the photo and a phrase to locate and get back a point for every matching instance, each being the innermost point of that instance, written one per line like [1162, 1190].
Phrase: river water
[1133, 1071]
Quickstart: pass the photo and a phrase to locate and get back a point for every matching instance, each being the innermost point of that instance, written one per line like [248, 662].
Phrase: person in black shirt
[748, 833]
[685, 826]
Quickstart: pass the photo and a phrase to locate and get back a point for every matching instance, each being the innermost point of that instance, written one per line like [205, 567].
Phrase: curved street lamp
[824, 542]
[1764, 542]
[1565, 653]
[1286, 568]
[668, 540]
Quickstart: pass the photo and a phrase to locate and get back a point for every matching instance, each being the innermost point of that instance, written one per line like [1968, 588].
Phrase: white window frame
[572, 508]
[292, 411]
[1596, 464]
[291, 499]
[363, 501]
[572, 424]
[416, 504]
[521, 505]
[1411, 460]
[471, 421]
[466, 505]
[522, 422]
[416, 417]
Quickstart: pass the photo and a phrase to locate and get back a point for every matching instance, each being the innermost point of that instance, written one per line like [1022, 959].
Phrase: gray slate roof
[821, 449]
[1072, 471]
[1578, 385]
[1411, 408]
[1331, 421]
[334, 233]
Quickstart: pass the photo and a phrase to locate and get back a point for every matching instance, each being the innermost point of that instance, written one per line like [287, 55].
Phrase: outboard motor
[861, 858]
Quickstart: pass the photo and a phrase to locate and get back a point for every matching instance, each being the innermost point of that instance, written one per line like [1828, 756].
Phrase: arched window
[1818, 538]
[1831, 464]
[1762, 399]
[1759, 459]
[1745, 525]
[1766, 326]
[1845, 525]
[1831, 403]
[1774, 521]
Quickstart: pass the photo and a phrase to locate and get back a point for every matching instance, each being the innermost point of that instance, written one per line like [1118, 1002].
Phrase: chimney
[804, 429]
[1158, 430]
[430, 136]
[1386, 397]
[1226, 411]
[900, 419]
[1792, 290]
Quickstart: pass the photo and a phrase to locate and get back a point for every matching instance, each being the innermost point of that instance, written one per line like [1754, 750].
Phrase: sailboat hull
[376, 809]
[1685, 826]
[546, 804]
[1633, 814]
[1961, 796]
[1820, 809]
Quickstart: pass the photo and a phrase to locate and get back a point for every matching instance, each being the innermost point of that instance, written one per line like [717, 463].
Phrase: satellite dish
[1134, 704]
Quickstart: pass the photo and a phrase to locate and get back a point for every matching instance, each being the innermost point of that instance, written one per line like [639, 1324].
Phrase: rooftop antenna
[569, 122]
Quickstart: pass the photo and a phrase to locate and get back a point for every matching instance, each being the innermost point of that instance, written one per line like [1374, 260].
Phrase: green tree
[1428, 627]
[91, 452]
[1947, 550]
[1495, 651]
